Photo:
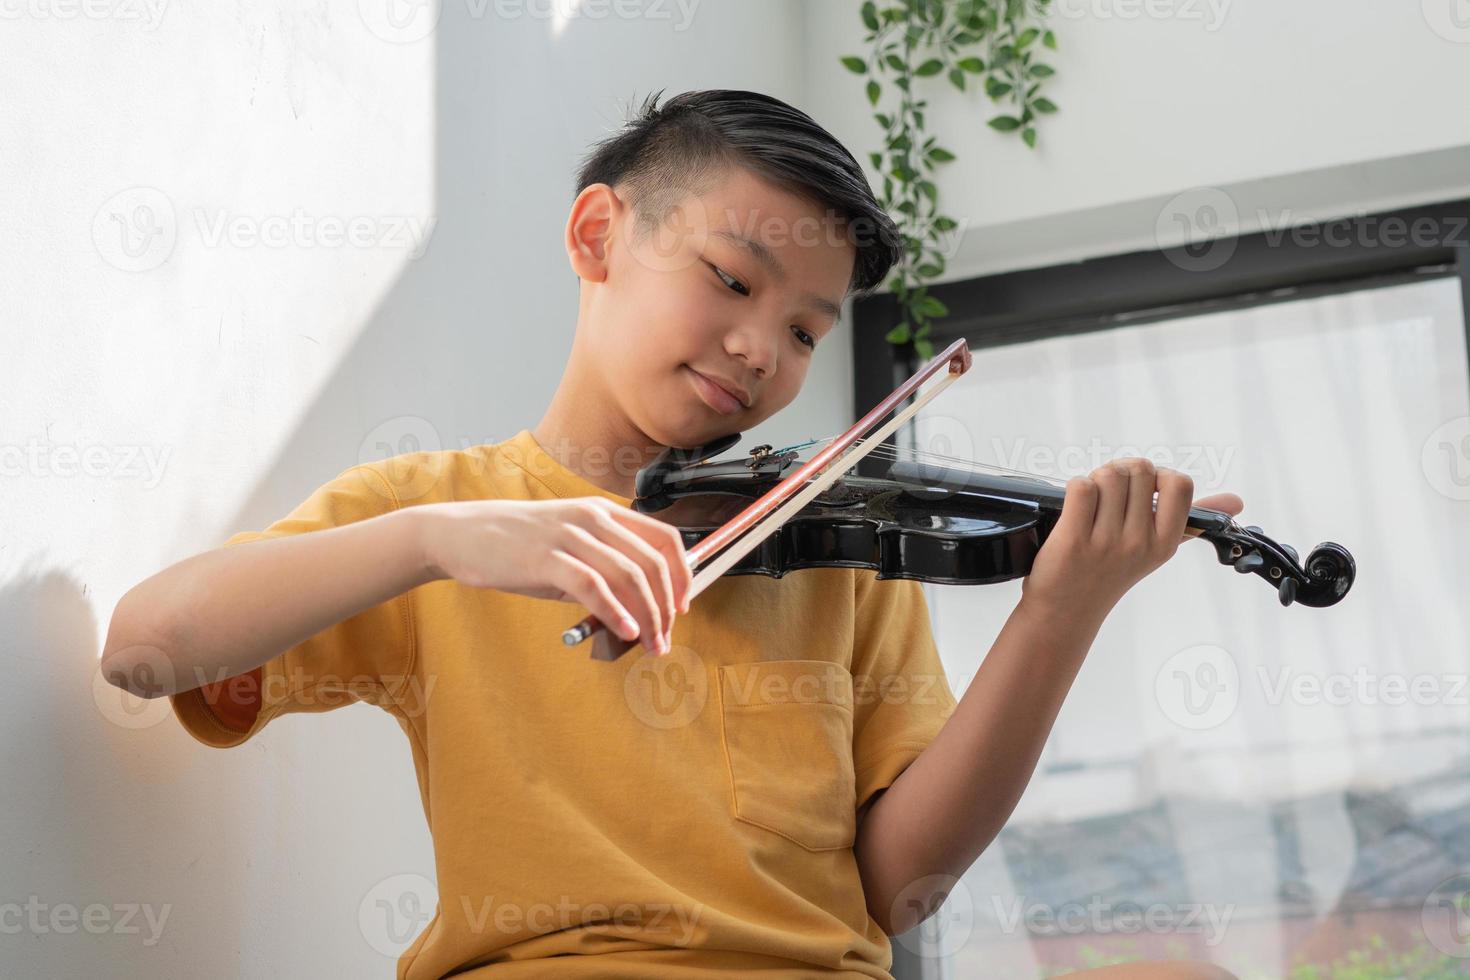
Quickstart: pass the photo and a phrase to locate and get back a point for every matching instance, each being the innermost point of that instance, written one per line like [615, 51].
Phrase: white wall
[1294, 110]
[249, 374]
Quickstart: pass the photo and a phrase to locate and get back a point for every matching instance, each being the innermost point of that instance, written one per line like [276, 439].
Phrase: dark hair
[665, 153]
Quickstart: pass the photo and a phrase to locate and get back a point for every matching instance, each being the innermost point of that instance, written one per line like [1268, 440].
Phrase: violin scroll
[1322, 580]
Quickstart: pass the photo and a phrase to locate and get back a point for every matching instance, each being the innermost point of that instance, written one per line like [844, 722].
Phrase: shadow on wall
[429, 369]
[91, 904]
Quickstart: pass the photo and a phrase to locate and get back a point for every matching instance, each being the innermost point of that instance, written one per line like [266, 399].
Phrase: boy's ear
[590, 231]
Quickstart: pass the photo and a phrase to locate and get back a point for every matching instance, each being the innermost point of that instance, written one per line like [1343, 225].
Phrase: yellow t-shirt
[685, 816]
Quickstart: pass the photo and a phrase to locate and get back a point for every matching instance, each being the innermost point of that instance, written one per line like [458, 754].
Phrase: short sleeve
[365, 657]
[901, 696]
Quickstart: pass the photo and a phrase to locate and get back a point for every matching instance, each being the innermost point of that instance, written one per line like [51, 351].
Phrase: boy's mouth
[715, 396]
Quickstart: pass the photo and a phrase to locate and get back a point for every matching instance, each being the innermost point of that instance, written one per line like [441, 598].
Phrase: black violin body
[933, 522]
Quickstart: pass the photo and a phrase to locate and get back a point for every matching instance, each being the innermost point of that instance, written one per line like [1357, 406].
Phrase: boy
[732, 804]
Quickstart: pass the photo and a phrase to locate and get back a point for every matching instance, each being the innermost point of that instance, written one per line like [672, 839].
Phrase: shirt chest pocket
[787, 732]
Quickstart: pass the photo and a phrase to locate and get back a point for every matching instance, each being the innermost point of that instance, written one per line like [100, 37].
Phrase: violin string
[898, 454]
[957, 462]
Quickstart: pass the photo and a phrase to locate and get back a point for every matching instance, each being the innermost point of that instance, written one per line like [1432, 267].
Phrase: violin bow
[743, 532]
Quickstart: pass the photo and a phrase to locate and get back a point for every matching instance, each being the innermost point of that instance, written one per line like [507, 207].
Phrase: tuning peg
[1249, 563]
[1292, 552]
[1287, 591]
[1253, 528]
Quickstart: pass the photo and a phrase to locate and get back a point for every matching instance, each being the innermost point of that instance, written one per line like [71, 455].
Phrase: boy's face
[691, 298]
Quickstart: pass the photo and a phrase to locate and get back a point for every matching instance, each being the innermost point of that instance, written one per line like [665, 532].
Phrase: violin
[930, 517]
[936, 522]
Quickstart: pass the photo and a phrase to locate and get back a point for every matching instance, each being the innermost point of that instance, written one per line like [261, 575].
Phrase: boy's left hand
[1110, 535]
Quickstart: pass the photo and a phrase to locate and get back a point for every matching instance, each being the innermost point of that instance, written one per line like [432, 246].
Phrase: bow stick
[772, 509]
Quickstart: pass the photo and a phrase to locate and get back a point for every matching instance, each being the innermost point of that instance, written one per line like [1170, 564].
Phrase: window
[1229, 780]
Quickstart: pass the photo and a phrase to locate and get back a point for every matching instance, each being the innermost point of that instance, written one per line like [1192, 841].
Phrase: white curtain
[1231, 780]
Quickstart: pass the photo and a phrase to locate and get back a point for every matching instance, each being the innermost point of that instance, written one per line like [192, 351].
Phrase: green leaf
[995, 88]
[925, 329]
[1044, 105]
[941, 155]
[898, 335]
[929, 190]
[895, 62]
[884, 120]
[972, 65]
[1029, 135]
[874, 91]
[925, 349]
[957, 78]
[929, 270]
[932, 307]
[1050, 40]
[855, 65]
[877, 159]
[945, 224]
[931, 67]
[1027, 36]
[902, 82]
[900, 142]
[870, 15]
[1005, 124]
[1039, 70]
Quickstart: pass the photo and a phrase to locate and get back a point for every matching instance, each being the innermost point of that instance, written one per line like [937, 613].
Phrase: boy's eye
[803, 337]
[728, 280]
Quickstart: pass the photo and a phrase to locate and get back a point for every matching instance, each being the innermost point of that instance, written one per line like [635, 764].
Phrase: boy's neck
[594, 443]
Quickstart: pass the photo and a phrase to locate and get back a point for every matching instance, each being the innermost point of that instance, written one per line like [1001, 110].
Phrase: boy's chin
[690, 433]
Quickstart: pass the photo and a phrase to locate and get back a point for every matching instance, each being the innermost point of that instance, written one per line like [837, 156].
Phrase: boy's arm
[229, 610]
[947, 806]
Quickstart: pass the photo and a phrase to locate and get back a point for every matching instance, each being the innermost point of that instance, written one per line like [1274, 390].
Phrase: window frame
[1158, 284]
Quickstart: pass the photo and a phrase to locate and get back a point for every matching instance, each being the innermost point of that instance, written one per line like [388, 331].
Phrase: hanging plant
[995, 41]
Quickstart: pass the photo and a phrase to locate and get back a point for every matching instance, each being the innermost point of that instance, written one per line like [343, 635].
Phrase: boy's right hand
[626, 568]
